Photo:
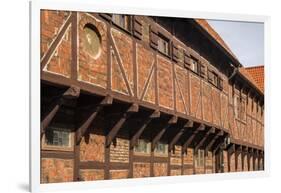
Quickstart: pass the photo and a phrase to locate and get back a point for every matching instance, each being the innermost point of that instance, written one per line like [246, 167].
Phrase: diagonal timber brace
[156, 139]
[136, 136]
[71, 93]
[201, 127]
[113, 132]
[200, 143]
[86, 124]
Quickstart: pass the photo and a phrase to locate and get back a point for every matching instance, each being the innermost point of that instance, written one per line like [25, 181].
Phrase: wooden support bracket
[200, 143]
[201, 127]
[84, 127]
[113, 132]
[72, 93]
[136, 136]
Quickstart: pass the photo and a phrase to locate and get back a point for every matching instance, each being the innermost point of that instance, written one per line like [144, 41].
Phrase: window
[236, 106]
[161, 148]
[122, 20]
[199, 158]
[142, 146]
[194, 66]
[163, 45]
[57, 136]
[92, 40]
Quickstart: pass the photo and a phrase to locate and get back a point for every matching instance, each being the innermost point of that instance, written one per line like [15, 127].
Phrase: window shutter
[220, 83]
[210, 76]
[153, 37]
[137, 27]
[202, 70]
[175, 52]
[187, 60]
[107, 16]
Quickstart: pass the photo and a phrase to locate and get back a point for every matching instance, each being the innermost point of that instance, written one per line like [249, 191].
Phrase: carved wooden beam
[201, 127]
[71, 93]
[200, 143]
[84, 127]
[155, 140]
[113, 132]
[136, 136]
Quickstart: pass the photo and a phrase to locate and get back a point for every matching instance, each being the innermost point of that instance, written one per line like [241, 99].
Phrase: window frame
[62, 127]
[168, 45]
[165, 153]
[200, 158]
[193, 59]
[119, 25]
[148, 148]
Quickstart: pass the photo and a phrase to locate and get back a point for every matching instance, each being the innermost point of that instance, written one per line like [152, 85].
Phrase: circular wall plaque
[92, 40]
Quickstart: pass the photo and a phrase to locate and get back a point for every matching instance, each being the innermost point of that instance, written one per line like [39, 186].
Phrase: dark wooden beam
[189, 124]
[176, 138]
[200, 143]
[71, 93]
[209, 146]
[157, 137]
[113, 132]
[84, 127]
[201, 127]
[218, 144]
[136, 136]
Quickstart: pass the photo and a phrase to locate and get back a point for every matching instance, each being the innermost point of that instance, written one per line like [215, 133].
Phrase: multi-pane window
[163, 45]
[200, 158]
[122, 21]
[142, 146]
[56, 136]
[161, 148]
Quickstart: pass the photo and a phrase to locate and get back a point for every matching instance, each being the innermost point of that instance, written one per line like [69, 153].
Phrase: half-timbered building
[137, 96]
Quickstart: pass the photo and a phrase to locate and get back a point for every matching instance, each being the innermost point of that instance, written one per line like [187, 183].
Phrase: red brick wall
[195, 97]
[118, 174]
[225, 161]
[92, 148]
[56, 170]
[165, 81]
[176, 156]
[160, 169]
[145, 62]
[91, 174]
[119, 152]
[209, 162]
[141, 170]
[91, 70]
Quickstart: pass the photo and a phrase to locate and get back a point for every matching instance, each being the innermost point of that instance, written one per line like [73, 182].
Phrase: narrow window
[200, 158]
[194, 65]
[122, 20]
[163, 45]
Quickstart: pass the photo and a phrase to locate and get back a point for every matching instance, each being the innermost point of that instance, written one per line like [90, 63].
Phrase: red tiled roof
[257, 72]
[205, 25]
[253, 74]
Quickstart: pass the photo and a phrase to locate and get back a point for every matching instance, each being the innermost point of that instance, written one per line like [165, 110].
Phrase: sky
[245, 39]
